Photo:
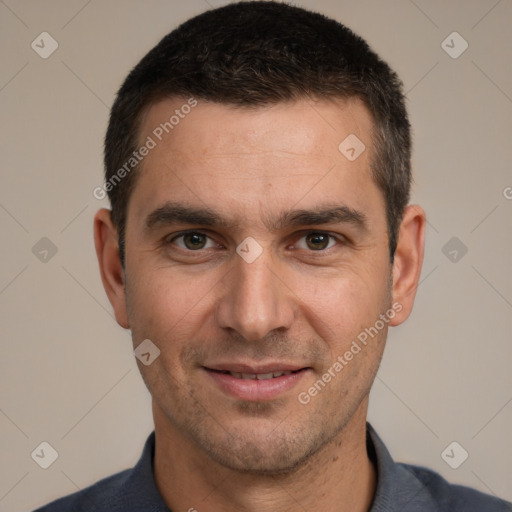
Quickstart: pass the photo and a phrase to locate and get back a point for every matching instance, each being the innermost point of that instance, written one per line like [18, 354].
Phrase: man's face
[274, 174]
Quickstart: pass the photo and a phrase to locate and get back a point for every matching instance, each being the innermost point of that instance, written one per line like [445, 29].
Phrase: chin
[263, 452]
[258, 461]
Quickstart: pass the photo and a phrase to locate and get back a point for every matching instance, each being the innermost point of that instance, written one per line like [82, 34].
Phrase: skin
[302, 302]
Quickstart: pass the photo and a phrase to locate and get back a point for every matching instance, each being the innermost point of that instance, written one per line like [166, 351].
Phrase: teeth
[278, 374]
[259, 376]
[264, 376]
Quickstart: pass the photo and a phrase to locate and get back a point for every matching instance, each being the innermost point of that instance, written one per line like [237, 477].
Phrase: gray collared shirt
[400, 487]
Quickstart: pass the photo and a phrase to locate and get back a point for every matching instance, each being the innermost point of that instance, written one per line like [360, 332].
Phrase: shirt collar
[397, 487]
[139, 490]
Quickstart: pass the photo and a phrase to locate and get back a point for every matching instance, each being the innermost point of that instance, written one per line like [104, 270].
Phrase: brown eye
[317, 241]
[193, 241]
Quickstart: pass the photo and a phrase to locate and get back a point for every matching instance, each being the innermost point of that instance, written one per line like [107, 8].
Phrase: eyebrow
[172, 213]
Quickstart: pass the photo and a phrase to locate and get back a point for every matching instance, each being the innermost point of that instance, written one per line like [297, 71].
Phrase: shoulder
[101, 496]
[130, 490]
[416, 488]
[451, 497]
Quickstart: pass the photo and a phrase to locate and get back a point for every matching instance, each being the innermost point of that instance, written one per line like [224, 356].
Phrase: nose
[255, 300]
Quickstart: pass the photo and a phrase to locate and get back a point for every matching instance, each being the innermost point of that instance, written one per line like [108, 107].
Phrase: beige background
[67, 371]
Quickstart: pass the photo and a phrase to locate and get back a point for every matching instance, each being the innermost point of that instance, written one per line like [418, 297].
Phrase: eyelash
[337, 238]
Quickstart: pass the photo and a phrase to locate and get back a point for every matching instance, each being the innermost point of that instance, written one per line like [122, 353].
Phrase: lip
[271, 367]
[255, 390]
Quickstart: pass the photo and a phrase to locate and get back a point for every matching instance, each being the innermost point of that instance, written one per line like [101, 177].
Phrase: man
[259, 246]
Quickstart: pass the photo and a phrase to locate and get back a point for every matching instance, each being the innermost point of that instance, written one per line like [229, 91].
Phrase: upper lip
[255, 368]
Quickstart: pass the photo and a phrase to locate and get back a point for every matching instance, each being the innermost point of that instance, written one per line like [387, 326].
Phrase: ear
[111, 270]
[408, 261]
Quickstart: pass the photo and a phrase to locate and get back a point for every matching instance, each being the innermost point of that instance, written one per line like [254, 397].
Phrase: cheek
[167, 309]
[341, 308]
[164, 304]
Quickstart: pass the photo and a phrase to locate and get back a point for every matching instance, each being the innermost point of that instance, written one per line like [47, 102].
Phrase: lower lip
[253, 389]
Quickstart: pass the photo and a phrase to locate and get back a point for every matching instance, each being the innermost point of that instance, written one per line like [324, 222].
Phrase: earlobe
[111, 270]
[408, 261]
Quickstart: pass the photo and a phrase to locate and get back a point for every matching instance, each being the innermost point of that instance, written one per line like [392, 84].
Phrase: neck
[340, 477]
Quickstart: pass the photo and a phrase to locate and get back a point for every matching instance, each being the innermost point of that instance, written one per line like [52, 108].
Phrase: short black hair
[257, 53]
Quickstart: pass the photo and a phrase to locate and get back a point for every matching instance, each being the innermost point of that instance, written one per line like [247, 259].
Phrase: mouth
[253, 383]
[258, 376]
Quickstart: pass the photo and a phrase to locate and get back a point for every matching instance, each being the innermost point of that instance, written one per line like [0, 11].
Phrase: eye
[192, 241]
[316, 241]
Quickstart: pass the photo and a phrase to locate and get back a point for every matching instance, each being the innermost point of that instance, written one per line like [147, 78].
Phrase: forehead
[261, 158]
[302, 125]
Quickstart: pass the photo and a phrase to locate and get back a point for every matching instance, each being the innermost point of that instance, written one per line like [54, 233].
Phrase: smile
[258, 376]
[256, 385]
